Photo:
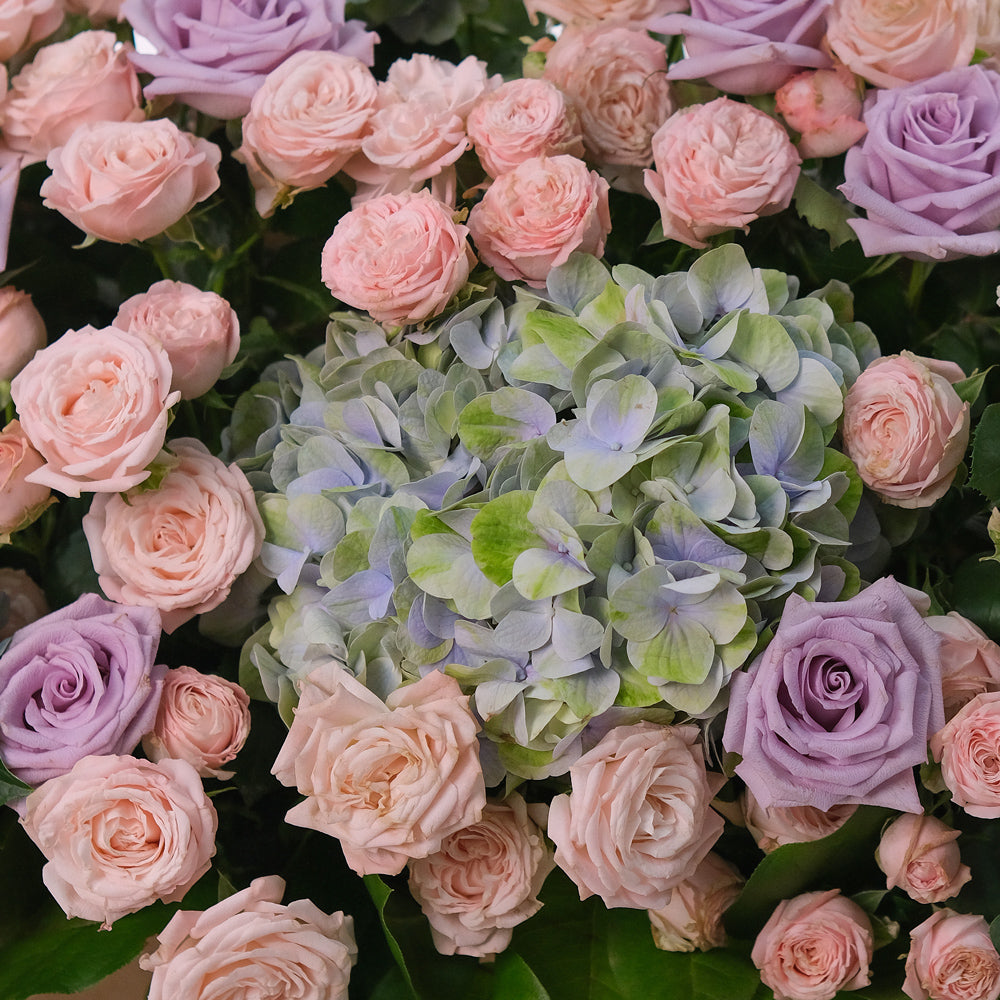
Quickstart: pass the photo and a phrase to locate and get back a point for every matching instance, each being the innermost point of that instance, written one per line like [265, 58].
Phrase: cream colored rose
[22, 331]
[772, 828]
[968, 749]
[390, 780]
[951, 957]
[970, 660]
[919, 855]
[24, 22]
[22, 601]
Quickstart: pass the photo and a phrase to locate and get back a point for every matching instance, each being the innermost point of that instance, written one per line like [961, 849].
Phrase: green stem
[919, 274]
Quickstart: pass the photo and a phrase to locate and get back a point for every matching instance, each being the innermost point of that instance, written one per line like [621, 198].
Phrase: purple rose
[839, 708]
[214, 54]
[747, 46]
[79, 681]
[928, 171]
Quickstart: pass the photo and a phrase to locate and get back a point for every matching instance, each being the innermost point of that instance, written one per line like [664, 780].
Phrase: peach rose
[400, 257]
[824, 106]
[906, 429]
[638, 820]
[306, 121]
[814, 945]
[522, 119]
[120, 833]
[969, 751]
[719, 166]
[123, 181]
[199, 331]
[779, 825]
[390, 780]
[919, 855]
[970, 660]
[179, 547]
[21, 501]
[24, 22]
[251, 944]
[951, 957]
[202, 718]
[458, 85]
[86, 79]
[531, 219]
[22, 331]
[693, 917]
[95, 404]
[609, 11]
[617, 78]
[485, 879]
[22, 601]
[889, 44]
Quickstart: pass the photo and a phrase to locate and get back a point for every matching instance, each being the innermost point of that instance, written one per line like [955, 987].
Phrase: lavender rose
[214, 54]
[928, 171]
[840, 706]
[77, 682]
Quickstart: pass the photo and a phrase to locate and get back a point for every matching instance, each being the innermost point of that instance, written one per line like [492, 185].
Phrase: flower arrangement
[500, 496]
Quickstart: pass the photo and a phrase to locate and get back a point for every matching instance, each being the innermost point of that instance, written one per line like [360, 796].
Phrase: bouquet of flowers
[501, 500]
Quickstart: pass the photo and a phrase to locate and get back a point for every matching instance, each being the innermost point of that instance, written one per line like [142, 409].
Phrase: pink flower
[522, 119]
[693, 917]
[421, 77]
[24, 22]
[587, 12]
[120, 833]
[199, 331]
[80, 81]
[814, 945]
[390, 780]
[824, 106]
[22, 331]
[98, 11]
[638, 820]
[719, 166]
[95, 404]
[906, 429]
[251, 944]
[484, 880]
[891, 45]
[970, 660]
[400, 257]
[969, 751]
[20, 501]
[919, 855]
[951, 957]
[531, 219]
[779, 825]
[123, 181]
[202, 718]
[179, 547]
[22, 601]
[306, 121]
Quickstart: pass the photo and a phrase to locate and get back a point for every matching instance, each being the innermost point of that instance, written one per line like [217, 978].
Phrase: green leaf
[985, 475]
[514, 978]
[968, 389]
[823, 210]
[380, 894]
[500, 533]
[11, 787]
[974, 588]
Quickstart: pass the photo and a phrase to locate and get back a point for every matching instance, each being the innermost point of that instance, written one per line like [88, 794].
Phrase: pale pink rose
[906, 429]
[779, 825]
[96, 404]
[400, 257]
[970, 660]
[123, 181]
[522, 119]
[22, 331]
[587, 12]
[252, 945]
[919, 855]
[306, 121]
[988, 28]
[179, 547]
[951, 957]
[531, 219]
[693, 917]
[617, 78]
[86, 79]
[22, 601]
[202, 718]
[969, 751]
[485, 879]
[199, 331]
[824, 106]
[24, 22]
[390, 780]
[814, 945]
[638, 820]
[890, 44]
[21, 501]
[422, 77]
[120, 833]
[98, 11]
[719, 166]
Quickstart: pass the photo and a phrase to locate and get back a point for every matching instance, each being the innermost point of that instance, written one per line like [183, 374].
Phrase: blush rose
[773, 828]
[951, 957]
[119, 834]
[638, 819]
[824, 107]
[390, 780]
[970, 660]
[968, 748]
[20, 501]
[24, 22]
[919, 855]
[906, 429]
[589, 12]
[22, 331]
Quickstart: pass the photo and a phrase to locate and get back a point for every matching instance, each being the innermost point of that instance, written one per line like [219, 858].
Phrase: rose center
[833, 697]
